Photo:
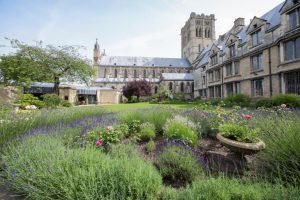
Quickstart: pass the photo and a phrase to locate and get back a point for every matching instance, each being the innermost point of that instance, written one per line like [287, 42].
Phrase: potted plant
[240, 138]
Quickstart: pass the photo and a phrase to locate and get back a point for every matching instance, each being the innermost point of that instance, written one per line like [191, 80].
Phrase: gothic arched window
[153, 74]
[208, 33]
[170, 86]
[200, 32]
[145, 73]
[155, 89]
[182, 87]
[125, 73]
[134, 74]
[205, 33]
[197, 35]
[104, 74]
[116, 73]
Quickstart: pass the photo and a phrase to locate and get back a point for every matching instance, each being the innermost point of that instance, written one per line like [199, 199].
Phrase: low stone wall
[108, 96]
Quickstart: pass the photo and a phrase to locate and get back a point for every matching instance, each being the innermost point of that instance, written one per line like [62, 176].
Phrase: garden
[149, 151]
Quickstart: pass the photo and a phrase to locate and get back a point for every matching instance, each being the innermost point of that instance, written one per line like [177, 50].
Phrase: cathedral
[261, 59]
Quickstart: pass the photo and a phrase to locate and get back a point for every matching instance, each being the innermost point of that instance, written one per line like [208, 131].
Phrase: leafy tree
[44, 63]
[137, 88]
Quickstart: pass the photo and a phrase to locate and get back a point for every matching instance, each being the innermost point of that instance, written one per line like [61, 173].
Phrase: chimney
[239, 22]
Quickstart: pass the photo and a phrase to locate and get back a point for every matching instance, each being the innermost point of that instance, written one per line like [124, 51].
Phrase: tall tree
[45, 63]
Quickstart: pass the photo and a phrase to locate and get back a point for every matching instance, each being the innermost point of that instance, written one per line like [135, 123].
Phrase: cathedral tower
[97, 53]
[197, 33]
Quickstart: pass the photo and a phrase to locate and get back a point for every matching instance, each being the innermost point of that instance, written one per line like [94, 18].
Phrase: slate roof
[178, 76]
[144, 61]
[273, 16]
[116, 80]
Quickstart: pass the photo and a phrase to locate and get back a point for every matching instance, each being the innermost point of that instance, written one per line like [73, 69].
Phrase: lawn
[147, 151]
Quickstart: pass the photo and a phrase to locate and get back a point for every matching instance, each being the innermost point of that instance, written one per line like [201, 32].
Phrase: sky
[149, 28]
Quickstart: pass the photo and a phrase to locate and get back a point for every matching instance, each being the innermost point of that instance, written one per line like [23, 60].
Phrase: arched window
[192, 86]
[153, 74]
[134, 74]
[197, 32]
[155, 89]
[182, 87]
[170, 86]
[116, 73]
[104, 74]
[208, 33]
[145, 73]
[200, 32]
[205, 33]
[125, 73]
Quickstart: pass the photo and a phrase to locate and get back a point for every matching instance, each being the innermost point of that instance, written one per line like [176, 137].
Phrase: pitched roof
[144, 61]
[273, 16]
[125, 80]
[178, 76]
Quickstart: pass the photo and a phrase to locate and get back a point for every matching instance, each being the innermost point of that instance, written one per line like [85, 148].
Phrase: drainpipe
[270, 73]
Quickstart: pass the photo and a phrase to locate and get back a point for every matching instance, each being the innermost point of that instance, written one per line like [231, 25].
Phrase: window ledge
[232, 76]
[252, 47]
[290, 61]
[256, 71]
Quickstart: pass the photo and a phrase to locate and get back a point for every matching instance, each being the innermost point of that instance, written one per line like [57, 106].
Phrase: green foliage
[65, 103]
[281, 158]
[51, 100]
[133, 99]
[163, 93]
[241, 100]
[134, 127]
[181, 128]
[178, 166]
[291, 100]
[17, 123]
[150, 146]
[28, 99]
[42, 168]
[108, 135]
[233, 189]
[239, 132]
[264, 102]
[157, 116]
[147, 132]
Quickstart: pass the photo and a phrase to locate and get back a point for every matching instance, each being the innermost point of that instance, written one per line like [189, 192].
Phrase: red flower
[248, 116]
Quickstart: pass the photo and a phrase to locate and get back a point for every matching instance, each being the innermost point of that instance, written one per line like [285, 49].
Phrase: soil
[5, 194]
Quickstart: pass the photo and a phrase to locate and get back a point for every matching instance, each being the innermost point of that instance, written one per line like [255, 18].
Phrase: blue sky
[123, 27]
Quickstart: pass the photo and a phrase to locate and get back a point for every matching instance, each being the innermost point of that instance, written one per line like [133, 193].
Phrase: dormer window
[256, 38]
[214, 59]
[255, 26]
[294, 18]
[232, 52]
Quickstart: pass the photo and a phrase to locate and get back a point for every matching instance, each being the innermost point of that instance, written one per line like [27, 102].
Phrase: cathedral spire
[96, 52]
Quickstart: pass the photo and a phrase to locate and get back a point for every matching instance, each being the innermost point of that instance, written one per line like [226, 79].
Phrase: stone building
[116, 71]
[261, 59]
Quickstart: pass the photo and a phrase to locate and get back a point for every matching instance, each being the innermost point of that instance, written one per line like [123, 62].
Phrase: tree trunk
[56, 85]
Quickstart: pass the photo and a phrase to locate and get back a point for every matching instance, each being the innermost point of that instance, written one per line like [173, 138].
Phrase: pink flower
[99, 143]
[283, 106]
[110, 128]
[248, 116]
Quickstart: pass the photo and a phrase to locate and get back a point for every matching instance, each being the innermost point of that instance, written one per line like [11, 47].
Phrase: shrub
[29, 99]
[281, 158]
[181, 128]
[65, 103]
[51, 100]
[239, 132]
[147, 132]
[178, 166]
[137, 88]
[264, 102]
[290, 100]
[157, 116]
[42, 168]
[134, 127]
[233, 189]
[150, 146]
[237, 100]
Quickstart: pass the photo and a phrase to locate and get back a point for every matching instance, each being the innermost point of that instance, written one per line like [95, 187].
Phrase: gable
[288, 5]
[214, 49]
[231, 39]
[255, 24]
